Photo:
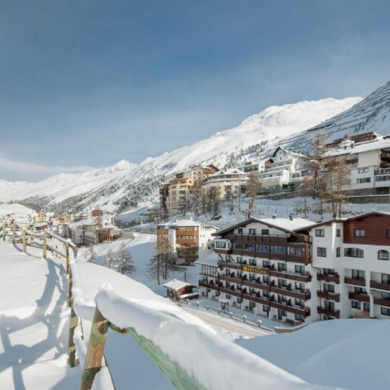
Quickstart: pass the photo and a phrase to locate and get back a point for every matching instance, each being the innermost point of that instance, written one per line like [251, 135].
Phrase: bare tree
[110, 259]
[125, 260]
[254, 187]
[92, 254]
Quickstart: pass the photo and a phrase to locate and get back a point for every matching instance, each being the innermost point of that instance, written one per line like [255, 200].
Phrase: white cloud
[9, 165]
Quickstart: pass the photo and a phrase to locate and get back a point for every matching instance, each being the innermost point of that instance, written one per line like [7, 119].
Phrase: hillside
[124, 185]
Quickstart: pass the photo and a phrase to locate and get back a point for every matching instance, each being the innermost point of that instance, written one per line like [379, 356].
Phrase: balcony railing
[291, 309]
[380, 286]
[329, 278]
[256, 298]
[328, 312]
[291, 276]
[224, 264]
[328, 296]
[305, 295]
[382, 302]
[359, 297]
[355, 282]
[208, 285]
[254, 284]
[231, 279]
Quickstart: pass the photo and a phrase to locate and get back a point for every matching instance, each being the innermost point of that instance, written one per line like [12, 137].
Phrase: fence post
[24, 241]
[97, 342]
[44, 246]
[4, 230]
[14, 232]
[67, 256]
[73, 321]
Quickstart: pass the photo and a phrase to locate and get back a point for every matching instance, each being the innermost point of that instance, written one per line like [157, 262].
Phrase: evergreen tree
[126, 263]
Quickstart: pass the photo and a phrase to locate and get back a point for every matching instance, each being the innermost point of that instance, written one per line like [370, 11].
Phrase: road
[226, 324]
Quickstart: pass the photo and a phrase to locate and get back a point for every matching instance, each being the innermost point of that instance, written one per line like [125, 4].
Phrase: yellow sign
[254, 270]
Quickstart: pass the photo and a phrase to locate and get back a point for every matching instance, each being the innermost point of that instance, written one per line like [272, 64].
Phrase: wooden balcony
[329, 313]
[379, 286]
[253, 284]
[329, 278]
[223, 264]
[291, 309]
[291, 276]
[328, 296]
[230, 279]
[222, 251]
[235, 293]
[256, 298]
[355, 282]
[359, 297]
[257, 239]
[291, 293]
[382, 302]
[208, 285]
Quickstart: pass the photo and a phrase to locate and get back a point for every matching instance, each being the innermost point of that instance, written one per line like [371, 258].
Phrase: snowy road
[226, 324]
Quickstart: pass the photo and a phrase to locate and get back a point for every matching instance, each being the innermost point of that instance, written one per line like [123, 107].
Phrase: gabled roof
[176, 285]
[283, 224]
[287, 151]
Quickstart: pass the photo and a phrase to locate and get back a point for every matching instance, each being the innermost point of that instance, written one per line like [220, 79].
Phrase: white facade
[286, 168]
[227, 180]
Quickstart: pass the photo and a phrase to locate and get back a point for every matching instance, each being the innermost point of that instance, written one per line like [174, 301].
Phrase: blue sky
[88, 83]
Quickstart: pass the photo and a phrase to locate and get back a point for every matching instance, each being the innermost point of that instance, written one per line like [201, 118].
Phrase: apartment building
[229, 180]
[368, 158]
[285, 170]
[264, 267]
[351, 257]
[258, 167]
[273, 267]
[188, 239]
[178, 192]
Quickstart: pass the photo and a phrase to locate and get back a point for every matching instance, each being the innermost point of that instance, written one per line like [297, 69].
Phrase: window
[357, 274]
[220, 244]
[282, 267]
[385, 279]
[360, 233]
[252, 232]
[300, 269]
[240, 231]
[262, 248]
[363, 170]
[338, 251]
[265, 232]
[228, 296]
[278, 249]
[252, 262]
[383, 255]
[364, 180]
[329, 288]
[296, 251]
[388, 234]
[328, 271]
[338, 232]
[356, 305]
[320, 232]
[300, 287]
[299, 318]
[385, 311]
[360, 290]
[321, 252]
[265, 309]
[354, 252]
[265, 279]
[266, 264]
[239, 300]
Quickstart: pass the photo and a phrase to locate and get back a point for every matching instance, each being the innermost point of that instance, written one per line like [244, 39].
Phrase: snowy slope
[126, 185]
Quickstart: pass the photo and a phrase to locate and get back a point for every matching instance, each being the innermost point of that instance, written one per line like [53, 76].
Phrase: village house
[296, 271]
[177, 290]
[368, 158]
[186, 238]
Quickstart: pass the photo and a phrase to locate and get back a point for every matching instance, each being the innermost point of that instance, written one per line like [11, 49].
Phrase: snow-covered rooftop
[211, 261]
[176, 284]
[360, 148]
[288, 224]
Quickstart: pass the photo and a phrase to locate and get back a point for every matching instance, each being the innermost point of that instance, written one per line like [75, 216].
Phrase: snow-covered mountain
[125, 185]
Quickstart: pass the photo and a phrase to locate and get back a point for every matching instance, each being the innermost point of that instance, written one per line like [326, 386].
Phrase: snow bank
[195, 348]
[343, 353]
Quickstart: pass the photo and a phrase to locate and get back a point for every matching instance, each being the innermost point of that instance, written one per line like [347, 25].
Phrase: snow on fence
[189, 355]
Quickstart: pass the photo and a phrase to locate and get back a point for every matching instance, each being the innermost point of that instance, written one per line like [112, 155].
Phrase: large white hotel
[297, 271]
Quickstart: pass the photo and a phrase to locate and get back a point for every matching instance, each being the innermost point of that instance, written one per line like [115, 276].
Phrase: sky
[86, 83]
